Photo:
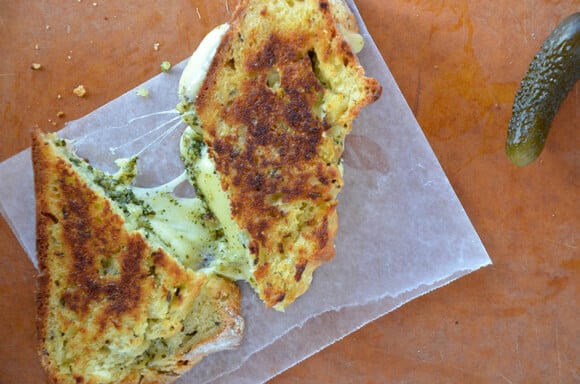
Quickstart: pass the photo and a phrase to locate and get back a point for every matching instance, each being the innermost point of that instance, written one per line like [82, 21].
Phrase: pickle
[552, 73]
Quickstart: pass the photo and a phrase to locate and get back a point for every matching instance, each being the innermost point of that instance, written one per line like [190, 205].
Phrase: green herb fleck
[165, 66]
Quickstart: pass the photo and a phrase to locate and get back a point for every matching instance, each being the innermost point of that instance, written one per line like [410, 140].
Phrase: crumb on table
[80, 91]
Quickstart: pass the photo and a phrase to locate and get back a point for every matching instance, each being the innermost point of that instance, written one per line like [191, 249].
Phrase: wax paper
[402, 230]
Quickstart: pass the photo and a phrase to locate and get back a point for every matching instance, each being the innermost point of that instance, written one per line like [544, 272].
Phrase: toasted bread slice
[272, 114]
[114, 305]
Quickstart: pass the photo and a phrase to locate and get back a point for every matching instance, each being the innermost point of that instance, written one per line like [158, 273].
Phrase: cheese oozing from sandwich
[200, 168]
[199, 62]
[183, 225]
[187, 226]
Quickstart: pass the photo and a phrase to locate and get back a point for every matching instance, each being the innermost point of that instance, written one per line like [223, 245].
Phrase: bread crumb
[36, 66]
[155, 46]
[80, 91]
[36, 46]
[59, 96]
[60, 114]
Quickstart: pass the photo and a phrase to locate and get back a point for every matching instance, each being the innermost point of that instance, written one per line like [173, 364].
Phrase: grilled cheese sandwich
[267, 130]
[136, 285]
[125, 292]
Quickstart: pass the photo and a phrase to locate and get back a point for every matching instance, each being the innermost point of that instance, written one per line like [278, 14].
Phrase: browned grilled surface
[274, 119]
[102, 288]
[78, 234]
[95, 238]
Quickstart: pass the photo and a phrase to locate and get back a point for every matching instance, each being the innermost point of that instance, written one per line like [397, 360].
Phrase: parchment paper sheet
[403, 232]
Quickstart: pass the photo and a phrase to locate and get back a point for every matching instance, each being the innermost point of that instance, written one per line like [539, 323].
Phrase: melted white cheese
[206, 181]
[233, 263]
[179, 222]
[182, 224]
[355, 39]
[196, 69]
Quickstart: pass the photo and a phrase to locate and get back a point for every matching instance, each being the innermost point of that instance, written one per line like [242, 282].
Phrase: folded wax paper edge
[10, 191]
[309, 338]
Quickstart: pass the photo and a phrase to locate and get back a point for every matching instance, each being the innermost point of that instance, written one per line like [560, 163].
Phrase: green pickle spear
[551, 75]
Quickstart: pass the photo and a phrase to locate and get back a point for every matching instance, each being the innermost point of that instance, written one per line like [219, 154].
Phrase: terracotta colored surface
[458, 64]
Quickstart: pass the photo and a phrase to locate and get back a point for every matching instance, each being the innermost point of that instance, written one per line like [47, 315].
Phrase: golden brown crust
[110, 308]
[275, 106]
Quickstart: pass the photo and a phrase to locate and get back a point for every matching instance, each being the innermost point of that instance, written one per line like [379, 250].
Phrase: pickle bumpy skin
[551, 75]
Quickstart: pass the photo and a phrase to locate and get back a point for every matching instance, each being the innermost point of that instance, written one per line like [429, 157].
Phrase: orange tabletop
[458, 64]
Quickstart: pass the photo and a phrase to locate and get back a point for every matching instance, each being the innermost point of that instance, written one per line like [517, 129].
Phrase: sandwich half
[125, 293]
[267, 121]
